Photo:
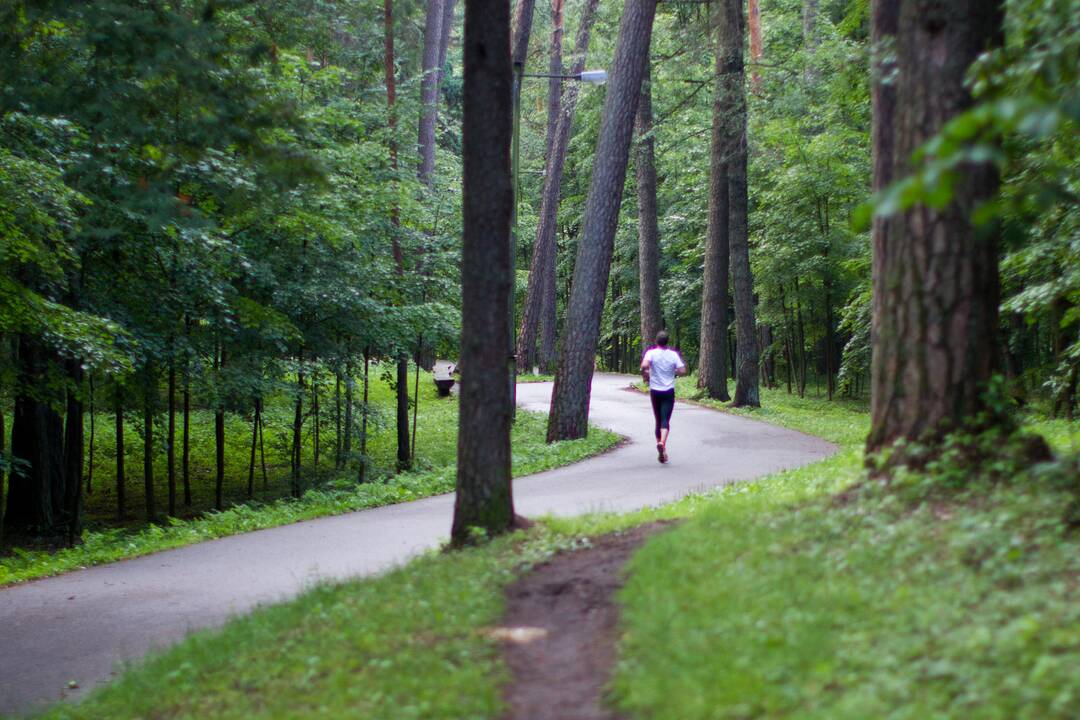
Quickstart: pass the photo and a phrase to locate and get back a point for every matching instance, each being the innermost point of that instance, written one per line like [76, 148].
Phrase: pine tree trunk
[185, 453]
[346, 442]
[362, 473]
[315, 429]
[254, 441]
[90, 450]
[713, 344]
[121, 494]
[733, 32]
[444, 35]
[483, 498]
[429, 92]
[573, 379]
[648, 226]
[298, 422]
[756, 46]
[149, 407]
[170, 455]
[73, 453]
[337, 420]
[539, 312]
[935, 276]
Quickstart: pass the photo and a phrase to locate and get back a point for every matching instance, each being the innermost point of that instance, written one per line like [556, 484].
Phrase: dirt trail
[560, 629]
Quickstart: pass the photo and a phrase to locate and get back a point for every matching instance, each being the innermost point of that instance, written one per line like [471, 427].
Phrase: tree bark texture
[444, 34]
[935, 275]
[732, 33]
[429, 91]
[713, 356]
[757, 51]
[539, 313]
[522, 29]
[648, 226]
[484, 497]
[573, 378]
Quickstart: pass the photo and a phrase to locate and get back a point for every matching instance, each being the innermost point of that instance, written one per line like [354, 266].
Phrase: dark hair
[662, 338]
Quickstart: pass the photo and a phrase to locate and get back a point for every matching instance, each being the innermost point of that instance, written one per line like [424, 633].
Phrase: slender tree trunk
[185, 453]
[713, 357]
[363, 423]
[337, 420]
[484, 500]
[732, 34]
[90, 451]
[539, 312]
[262, 447]
[573, 379]
[170, 448]
[648, 226]
[149, 407]
[801, 339]
[416, 394]
[346, 446]
[935, 275]
[298, 422]
[219, 432]
[444, 34]
[3, 448]
[315, 417]
[830, 341]
[756, 45]
[429, 92]
[121, 489]
[254, 442]
[404, 455]
[73, 453]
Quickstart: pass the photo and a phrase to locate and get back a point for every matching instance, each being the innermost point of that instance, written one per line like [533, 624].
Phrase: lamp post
[593, 77]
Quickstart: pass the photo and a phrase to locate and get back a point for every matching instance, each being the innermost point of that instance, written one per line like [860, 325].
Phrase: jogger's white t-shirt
[663, 362]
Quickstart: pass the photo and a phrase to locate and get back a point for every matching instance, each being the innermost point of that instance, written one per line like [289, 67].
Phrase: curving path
[78, 626]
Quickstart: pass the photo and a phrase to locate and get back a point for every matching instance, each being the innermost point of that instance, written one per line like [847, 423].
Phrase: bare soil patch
[560, 629]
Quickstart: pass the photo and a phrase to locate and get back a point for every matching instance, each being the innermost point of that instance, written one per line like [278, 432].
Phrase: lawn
[332, 492]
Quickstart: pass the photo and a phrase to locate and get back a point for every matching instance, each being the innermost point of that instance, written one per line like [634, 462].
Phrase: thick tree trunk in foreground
[569, 417]
[713, 357]
[484, 499]
[648, 227]
[539, 312]
[732, 32]
[429, 91]
[936, 287]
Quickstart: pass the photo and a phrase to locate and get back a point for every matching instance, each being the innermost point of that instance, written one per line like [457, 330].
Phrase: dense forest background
[223, 217]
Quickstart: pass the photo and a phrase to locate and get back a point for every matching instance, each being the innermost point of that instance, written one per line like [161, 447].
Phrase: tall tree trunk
[539, 312]
[185, 450]
[121, 485]
[483, 499]
[935, 276]
[255, 420]
[73, 452]
[362, 473]
[648, 226]
[444, 34]
[149, 407]
[404, 455]
[90, 450]
[262, 447]
[337, 419]
[416, 394]
[573, 379]
[346, 443]
[219, 433]
[298, 422]
[429, 91]
[315, 428]
[756, 47]
[170, 448]
[732, 34]
[801, 340]
[713, 356]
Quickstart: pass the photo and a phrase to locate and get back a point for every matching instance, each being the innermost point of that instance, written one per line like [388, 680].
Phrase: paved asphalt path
[80, 625]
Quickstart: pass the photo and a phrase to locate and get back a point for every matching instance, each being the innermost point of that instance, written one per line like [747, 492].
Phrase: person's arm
[681, 368]
[646, 365]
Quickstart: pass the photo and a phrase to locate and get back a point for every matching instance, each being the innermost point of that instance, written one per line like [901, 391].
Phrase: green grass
[437, 432]
[784, 599]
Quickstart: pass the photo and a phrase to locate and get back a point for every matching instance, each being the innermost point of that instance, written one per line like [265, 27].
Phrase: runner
[659, 368]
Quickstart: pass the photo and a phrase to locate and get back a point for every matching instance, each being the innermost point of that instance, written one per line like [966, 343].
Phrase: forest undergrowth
[776, 597]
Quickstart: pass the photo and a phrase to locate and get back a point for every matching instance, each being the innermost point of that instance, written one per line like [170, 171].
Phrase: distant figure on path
[659, 368]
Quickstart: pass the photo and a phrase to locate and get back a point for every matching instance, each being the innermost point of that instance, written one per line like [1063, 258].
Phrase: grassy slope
[784, 601]
[437, 433]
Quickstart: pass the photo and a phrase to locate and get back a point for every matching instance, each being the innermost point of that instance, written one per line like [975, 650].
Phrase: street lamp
[593, 77]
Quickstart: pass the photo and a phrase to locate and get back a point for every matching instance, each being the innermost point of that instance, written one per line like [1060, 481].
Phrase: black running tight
[663, 402]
